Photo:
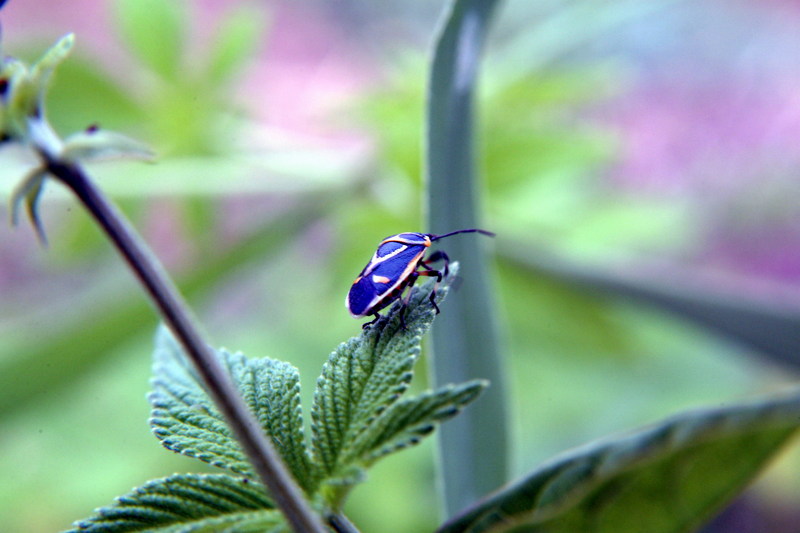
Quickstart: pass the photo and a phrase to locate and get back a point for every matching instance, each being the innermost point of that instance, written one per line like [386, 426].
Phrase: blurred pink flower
[309, 67]
[675, 137]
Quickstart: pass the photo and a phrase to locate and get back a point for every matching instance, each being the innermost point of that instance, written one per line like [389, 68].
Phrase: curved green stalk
[473, 454]
[177, 316]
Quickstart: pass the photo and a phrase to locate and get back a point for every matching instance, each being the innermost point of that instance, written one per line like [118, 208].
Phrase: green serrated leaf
[154, 30]
[406, 422]
[186, 421]
[271, 389]
[189, 502]
[364, 377]
[665, 478]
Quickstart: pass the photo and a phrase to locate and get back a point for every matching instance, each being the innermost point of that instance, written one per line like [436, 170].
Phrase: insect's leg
[433, 274]
[438, 255]
[411, 280]
[367, 324]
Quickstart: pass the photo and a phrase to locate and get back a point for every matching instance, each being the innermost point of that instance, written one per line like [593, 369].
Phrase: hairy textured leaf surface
[186, 421]
[665, 478]
[189, 502]
[356, 416]
[407, 421]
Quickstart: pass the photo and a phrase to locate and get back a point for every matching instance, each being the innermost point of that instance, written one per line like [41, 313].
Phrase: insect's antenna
[474, 230]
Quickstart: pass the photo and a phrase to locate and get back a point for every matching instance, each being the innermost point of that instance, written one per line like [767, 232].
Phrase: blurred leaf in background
[230, 188]
[576, 101]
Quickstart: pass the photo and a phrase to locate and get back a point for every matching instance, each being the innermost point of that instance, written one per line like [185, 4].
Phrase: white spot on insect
[380, 279]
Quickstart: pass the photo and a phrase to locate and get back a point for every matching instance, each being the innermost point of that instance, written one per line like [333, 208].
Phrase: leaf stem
[180, 320]
[465, 341]
[341, 524]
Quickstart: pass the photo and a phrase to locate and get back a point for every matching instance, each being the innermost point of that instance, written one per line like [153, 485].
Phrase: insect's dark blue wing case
[360, 297]
[393, 269]
[389, 269]
[397, 268]
[386, 248]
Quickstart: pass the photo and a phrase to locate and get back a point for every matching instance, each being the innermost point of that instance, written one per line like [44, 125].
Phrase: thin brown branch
[176, 314]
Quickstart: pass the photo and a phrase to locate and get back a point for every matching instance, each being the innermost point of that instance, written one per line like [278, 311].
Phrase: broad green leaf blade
[406, 422]
[363, 378]
[186, 421]
[473, 448]
[665, 478]
[767, 324]
[188, 502]
[183, 417]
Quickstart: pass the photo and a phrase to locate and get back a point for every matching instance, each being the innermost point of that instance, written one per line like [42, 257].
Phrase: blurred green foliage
[262, 261]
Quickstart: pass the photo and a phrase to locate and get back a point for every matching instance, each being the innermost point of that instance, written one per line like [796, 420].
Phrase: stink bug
[396, 265]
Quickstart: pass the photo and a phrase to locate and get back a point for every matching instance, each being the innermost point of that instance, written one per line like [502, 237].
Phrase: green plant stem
[473, 448]
[341, 524]
[176, 315]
